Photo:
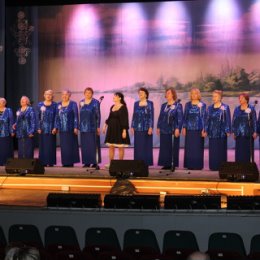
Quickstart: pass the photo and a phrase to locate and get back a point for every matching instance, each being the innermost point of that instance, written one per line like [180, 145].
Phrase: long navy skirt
[69, 147]
[7, 150]
[217, 152]
[143, 147]
[194, 150]
[47, 149]
[26, 147]
[242, 152]
[90, 148]
[165, 152]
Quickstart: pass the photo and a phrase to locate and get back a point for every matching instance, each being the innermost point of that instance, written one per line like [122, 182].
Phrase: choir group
[195, 122]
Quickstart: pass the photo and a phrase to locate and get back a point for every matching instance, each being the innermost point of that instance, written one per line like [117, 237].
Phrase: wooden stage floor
[32, 190]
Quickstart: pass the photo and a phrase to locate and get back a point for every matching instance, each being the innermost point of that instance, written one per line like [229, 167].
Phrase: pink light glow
[172, 23]
[255, 15]
[131, 29]
[223, 11]
[223, 21]
[83, 27]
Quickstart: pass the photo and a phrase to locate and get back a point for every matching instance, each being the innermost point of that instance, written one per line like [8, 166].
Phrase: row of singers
[196, 122]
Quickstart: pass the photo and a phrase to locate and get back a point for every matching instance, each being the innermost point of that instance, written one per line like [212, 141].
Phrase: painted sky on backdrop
[134, 28]
[117, 45]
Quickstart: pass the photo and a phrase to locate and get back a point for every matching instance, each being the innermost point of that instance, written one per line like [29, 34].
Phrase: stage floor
[32, 190]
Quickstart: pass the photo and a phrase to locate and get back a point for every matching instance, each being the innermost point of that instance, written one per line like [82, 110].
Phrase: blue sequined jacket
[195, 117]
[89, 116]
[67, 117]
[244, 121]
[6, 123]
[143, 116]
[25, 122]
[218, 123]
[170, 118]
[46, 117]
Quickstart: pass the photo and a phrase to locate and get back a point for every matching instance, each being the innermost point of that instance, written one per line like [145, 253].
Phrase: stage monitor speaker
[74, 200]
[239, 171]
[243, 202]
[112, 201]
[128, 168]
[24, 166]
[192, 202]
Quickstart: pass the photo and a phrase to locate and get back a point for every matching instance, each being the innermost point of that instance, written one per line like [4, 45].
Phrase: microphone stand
[172, 163]
[251, 140]
[252, 159]
[173, 136]
[98, 140]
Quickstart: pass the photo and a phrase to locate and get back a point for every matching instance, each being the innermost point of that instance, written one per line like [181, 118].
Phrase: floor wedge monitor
[24, 166]
[239, 171]
[128, 168]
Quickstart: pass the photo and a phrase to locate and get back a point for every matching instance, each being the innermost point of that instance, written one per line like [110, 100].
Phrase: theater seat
[26, 234]
[2, 243]
[140, 243]
[99, 240]
[179, 244]
[254, 253]
[226, 242]
[60, 239]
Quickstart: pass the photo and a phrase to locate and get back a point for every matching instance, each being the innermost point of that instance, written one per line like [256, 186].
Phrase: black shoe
[86, 165]
[166, 167]
[93, 165]
[68, 165]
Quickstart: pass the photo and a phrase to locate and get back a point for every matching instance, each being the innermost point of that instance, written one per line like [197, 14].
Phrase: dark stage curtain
[21, 65]
[2, 40]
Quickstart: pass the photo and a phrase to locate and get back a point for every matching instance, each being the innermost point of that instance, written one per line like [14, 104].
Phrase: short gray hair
[22, 253]
[3, 99]
[198, 256]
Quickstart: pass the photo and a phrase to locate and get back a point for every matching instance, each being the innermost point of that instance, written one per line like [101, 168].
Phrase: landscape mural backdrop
[209, 44]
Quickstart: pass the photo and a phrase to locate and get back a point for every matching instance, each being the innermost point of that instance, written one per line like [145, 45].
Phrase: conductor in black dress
[116, 127]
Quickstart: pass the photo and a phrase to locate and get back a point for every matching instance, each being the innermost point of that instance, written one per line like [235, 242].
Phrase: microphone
[100, 99]
[255, 102]
[178, 100]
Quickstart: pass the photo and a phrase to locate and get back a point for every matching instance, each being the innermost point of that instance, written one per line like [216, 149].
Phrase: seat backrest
[140, 238]
[2, 243]
[63, 255]
[102, 236]
[255, 244]
[62, 235]
[226, 242]
[180, 239]
[114, 256]
[223, 255]
[2, 238]
[27, 234]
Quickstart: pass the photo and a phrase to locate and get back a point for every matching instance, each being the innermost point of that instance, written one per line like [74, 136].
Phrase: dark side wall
[201, 223]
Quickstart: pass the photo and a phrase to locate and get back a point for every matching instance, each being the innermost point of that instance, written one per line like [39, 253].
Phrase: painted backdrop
[209, 44]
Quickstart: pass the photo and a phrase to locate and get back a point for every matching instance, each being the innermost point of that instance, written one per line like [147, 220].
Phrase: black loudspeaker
[128, 168]
[243, 202]
[239, 171]
[74, 200]
[192, 202]
[112, 201]
[24, 166]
